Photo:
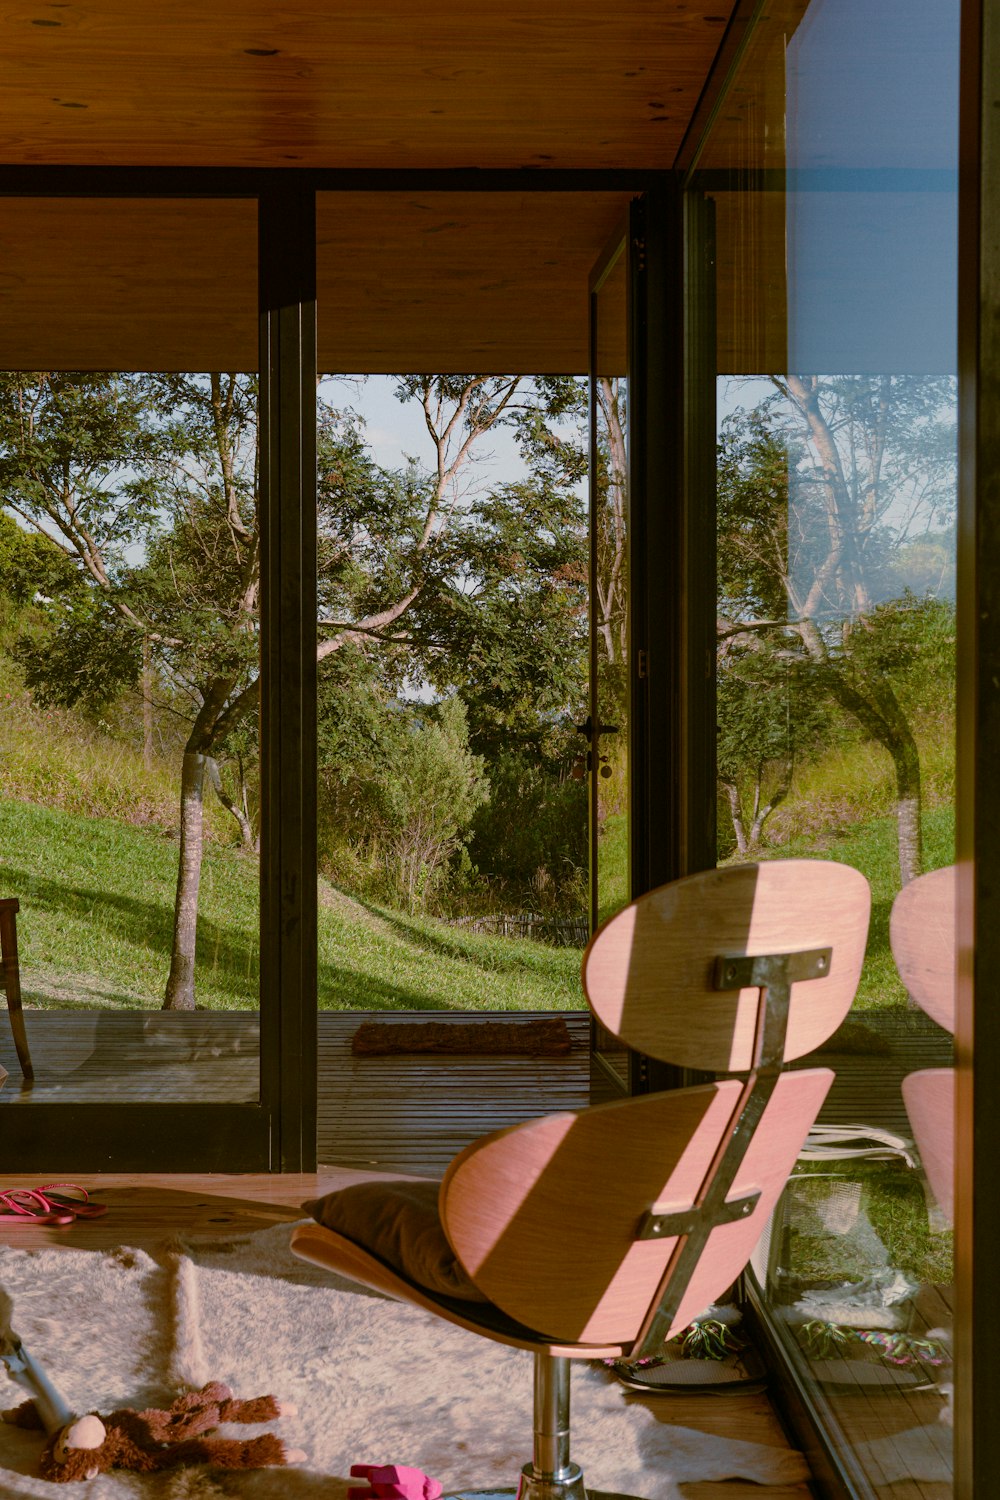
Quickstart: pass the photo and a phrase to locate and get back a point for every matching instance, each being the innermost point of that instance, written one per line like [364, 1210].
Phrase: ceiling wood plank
[568, 83]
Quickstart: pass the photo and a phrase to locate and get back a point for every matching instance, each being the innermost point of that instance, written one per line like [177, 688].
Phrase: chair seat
[335, 1252]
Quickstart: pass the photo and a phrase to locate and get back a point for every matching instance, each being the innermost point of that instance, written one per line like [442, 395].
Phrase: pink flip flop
[23, 1206]
[60, 1195]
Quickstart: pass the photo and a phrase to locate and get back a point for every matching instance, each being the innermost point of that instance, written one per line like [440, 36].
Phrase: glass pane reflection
[835, 196]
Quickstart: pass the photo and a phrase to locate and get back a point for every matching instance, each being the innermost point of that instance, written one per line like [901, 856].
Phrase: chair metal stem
[551, 1447]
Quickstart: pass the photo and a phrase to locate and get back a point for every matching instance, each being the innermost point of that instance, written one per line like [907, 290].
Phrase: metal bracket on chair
[773, 974]
[654, 1226]
[742, 970]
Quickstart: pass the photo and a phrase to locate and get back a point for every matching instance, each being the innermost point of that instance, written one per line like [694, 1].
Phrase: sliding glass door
[131, 589]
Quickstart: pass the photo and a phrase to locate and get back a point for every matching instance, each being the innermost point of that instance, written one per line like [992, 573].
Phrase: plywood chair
[10, 980]
[600, 1233]
[922, 935]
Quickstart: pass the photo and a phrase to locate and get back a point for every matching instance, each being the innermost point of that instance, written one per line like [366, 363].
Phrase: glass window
[129, 646]
[832, 167]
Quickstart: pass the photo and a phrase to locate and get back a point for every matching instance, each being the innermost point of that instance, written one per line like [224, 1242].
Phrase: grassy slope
[871, 848]
[97, 904]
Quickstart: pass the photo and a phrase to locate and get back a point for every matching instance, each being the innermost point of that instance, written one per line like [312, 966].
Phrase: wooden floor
[401, 1114]
[143, 1211]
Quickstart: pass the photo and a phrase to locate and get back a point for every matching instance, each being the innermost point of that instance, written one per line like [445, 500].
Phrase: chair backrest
[922, 934]
[621, 1223]
[649, 972]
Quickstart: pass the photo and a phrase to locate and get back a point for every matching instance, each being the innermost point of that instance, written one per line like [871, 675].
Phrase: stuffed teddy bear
[143, 1441]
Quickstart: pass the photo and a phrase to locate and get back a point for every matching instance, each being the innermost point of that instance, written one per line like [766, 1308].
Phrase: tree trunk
[906, 762]
[736, 814]
[891, 728]
[248, 838]
[761, 814]
[180, 983]
[147, 706]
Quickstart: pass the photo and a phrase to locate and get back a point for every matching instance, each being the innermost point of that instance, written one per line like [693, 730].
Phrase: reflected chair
[601, 1233]
[922, 935]
[10, 980]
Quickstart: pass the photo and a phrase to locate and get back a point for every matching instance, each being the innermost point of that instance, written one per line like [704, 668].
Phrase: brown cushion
[398, 1222]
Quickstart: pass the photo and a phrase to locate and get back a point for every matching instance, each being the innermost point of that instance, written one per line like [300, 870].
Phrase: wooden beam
[408, 281]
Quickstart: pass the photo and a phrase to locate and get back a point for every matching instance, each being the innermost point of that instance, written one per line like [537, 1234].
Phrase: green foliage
[370, 524]
[752, 465]
[869, 845]
[148, 486]
[30, 564]
[834, 492]
[67, 760]
[769, 715]
[398, 783]
[529, 841]
[508, 629]
[435, 786]
[83, 653]
[911, 642]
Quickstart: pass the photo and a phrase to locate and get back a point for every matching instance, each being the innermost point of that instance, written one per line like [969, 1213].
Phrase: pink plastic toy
[393, 1482]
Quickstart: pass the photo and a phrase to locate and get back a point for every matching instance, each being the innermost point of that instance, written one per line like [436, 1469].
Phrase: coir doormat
[548, 1038]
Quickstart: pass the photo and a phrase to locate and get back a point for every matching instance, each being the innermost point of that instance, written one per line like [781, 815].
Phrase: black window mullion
[288, 669]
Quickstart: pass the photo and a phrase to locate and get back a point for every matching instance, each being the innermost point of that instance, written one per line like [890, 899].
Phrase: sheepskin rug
[374, 1380]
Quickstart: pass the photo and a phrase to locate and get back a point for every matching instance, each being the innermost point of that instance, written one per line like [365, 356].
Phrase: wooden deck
[401, 1113]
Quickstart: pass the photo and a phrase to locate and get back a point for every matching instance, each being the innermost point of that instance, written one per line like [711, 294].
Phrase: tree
[435, 788]
[383, 535]
[148, 485]
[769, 715]
[148, 488]
[821, 486]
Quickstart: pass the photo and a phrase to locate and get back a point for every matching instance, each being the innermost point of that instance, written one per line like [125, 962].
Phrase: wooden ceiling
[406, 282]
[459, 281]
[390, 83]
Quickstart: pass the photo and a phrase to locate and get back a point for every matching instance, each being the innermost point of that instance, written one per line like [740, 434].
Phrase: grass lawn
[871, 848]
[97, 911]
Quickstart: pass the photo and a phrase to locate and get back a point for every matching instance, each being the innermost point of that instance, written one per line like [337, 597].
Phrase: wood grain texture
[458, 281]
[647, 972]
[922, 934]
[113, 284]
[405, 282]
[520, 1198]
[409, 1114]
[571, 83]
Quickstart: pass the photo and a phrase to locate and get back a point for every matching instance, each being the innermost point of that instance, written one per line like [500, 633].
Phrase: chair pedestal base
[541, 1489]
[535, 1486]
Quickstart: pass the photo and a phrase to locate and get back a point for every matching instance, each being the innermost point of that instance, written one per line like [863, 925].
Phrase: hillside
[97, 910]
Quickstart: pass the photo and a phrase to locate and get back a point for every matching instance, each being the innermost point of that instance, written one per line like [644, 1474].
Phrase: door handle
[592, 730]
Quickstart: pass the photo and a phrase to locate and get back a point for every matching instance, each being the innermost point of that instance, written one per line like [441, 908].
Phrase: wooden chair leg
[12, 984]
